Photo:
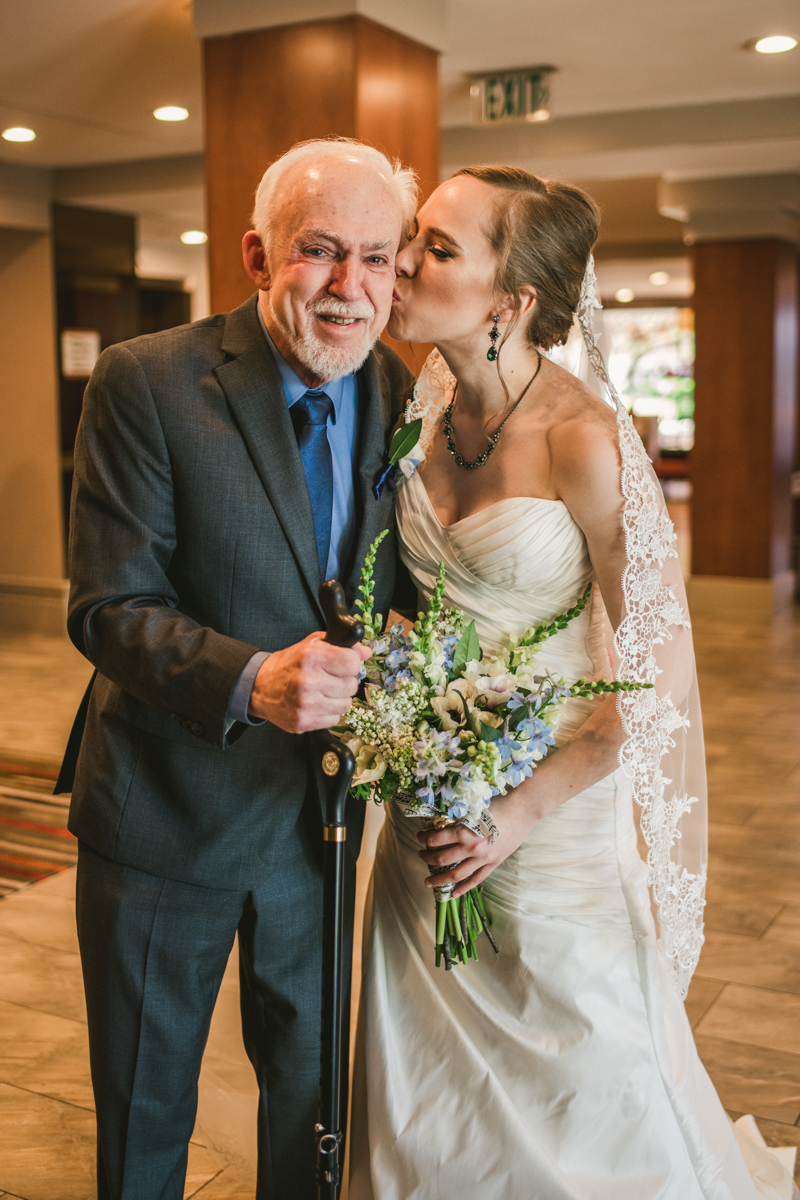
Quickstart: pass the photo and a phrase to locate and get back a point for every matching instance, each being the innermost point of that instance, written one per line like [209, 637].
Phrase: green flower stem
[366, 586]
[441, 918]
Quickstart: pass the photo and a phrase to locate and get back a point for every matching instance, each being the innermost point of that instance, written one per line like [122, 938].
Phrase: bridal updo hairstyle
[543, 233]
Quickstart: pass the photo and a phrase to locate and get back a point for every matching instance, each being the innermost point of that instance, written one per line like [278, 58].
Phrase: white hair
[402, 179]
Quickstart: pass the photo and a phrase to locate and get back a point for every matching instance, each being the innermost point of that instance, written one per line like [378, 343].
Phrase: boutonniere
[403, 456]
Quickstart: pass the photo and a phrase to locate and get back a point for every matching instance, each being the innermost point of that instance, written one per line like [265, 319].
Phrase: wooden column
[269, 88]
[746, 313]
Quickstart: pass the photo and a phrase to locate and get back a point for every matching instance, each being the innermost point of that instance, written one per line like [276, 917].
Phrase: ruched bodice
[510, 566]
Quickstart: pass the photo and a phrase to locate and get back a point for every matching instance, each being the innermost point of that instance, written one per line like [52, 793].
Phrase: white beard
[324, 361]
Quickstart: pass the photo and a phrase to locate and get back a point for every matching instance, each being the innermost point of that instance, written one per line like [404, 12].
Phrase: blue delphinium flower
[449, 643]
[390, 681]
[539, 733]
[434, 760]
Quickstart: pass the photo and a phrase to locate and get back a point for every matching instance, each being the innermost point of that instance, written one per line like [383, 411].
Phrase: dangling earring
[494, 334]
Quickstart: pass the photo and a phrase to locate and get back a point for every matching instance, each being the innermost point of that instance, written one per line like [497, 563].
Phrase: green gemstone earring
[494, 334]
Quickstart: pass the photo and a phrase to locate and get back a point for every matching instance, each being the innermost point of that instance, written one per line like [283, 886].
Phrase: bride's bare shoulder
[582, 426]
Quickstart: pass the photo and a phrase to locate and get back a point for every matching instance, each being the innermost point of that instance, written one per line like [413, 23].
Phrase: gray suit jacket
[192, 546]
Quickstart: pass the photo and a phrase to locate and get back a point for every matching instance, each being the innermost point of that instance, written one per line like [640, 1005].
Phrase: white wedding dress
[563, 1068]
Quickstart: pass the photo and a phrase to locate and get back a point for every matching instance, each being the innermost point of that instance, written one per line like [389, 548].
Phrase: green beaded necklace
[447, 428]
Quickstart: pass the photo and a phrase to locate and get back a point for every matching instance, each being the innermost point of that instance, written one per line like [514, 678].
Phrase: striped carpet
[34, 839]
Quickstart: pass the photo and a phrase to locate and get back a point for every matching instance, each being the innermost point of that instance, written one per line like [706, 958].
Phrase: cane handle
[342, 628]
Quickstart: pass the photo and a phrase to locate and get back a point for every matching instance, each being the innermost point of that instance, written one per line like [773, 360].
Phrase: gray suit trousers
[153, 952]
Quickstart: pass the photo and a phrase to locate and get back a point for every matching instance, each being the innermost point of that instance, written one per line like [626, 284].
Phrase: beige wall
[31, 554]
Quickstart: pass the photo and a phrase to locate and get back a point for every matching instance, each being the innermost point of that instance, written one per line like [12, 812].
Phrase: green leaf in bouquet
[518, 716]
[467, 650]
[489, 733]
[404, 439]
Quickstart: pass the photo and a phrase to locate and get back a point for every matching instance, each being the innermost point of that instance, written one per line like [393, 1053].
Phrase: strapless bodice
[518, 562]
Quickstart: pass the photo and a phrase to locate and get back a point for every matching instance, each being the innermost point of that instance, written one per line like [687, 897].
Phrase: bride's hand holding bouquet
[442, 729]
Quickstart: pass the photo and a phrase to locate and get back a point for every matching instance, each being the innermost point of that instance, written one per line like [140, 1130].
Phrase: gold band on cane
[334, 833]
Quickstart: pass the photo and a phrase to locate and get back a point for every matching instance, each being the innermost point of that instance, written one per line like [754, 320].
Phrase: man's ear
[255, 260]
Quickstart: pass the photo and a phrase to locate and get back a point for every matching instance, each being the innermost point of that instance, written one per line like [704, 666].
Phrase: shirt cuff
[240, 696]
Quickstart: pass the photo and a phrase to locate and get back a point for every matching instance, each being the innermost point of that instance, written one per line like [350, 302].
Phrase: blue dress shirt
[342, 438]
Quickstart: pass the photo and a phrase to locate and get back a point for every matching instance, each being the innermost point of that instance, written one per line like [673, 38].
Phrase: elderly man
[222, 471]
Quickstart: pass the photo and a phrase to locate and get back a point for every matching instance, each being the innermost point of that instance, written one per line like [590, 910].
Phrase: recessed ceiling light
[625, 295]
[541, 114]
[194, 237]
[660, 278]
[775, 45]
[18, 133]
[171, 112]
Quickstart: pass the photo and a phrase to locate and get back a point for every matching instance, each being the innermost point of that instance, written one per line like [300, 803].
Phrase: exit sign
[520, 95]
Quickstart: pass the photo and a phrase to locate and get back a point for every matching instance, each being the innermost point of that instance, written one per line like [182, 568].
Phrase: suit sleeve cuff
[240, 696]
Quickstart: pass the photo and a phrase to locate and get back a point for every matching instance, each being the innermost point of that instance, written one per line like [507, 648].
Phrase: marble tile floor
[744, 1002]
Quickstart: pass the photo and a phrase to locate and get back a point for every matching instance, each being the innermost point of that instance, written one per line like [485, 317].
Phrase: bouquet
[441, 729]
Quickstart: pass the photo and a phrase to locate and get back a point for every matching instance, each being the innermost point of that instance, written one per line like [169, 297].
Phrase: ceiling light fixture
[624, 295]
[540, 114]
[171, 112]
[194, 237]
[660, 278]
[775, 45]
[18, 133]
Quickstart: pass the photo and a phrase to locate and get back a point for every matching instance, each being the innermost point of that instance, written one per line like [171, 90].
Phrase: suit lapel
[254, 390]
[376, 512]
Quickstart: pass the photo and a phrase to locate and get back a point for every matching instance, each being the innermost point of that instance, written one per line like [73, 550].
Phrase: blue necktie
[314, 409]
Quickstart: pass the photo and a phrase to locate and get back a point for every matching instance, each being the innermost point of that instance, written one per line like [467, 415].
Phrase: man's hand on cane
[307, 686]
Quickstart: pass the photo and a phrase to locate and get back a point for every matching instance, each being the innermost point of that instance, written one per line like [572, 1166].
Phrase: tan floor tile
[749, 876]
[41, 978]
[751, 1079]
[203, 1166]
[756, 1016]
[750, 961]
[702, 993]
[42, 918]
[27, 1034]
[729, 912]
[43, 681]
[62, 884]
[225, 1186]
[746, 841]
[729, 812]
[775, 816]
[60, 1070]
[47, 1149]
[786, 926]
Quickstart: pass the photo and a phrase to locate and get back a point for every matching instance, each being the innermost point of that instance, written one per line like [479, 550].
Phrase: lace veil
[663, 749]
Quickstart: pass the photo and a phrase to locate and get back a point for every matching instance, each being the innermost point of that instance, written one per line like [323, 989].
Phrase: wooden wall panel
[266, 90]
[744, 371]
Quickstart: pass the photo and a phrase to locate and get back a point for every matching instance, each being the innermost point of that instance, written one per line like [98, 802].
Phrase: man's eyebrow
[316, 231]
[446, 237]
[379, 245]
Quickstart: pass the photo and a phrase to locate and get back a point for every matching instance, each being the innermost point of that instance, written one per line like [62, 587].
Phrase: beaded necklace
[447, 427]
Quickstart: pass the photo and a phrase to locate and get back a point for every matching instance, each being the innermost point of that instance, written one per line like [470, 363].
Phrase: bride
[564, 1068]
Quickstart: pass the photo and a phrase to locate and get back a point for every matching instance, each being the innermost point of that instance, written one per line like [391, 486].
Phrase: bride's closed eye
[439, 252]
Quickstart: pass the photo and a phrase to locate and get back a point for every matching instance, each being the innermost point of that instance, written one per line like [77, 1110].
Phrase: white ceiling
[87, 74]
[623, 54]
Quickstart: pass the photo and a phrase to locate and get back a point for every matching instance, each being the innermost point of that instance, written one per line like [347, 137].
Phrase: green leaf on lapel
[404, 440]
